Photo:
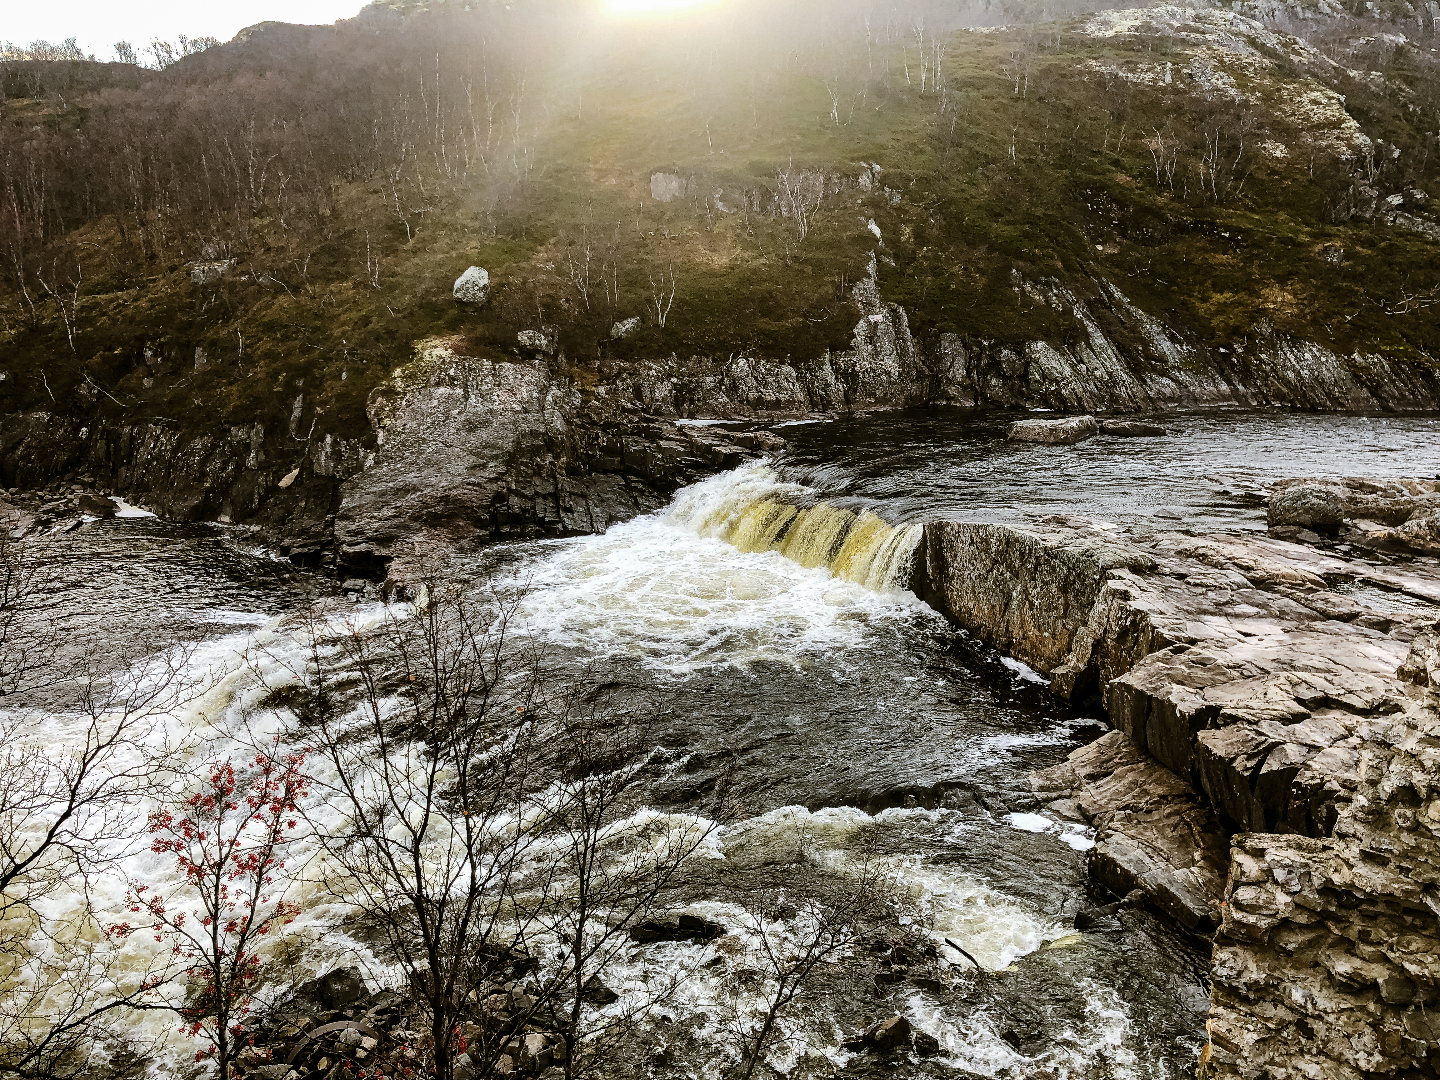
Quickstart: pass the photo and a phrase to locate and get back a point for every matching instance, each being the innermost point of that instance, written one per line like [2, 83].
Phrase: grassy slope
[959, 210]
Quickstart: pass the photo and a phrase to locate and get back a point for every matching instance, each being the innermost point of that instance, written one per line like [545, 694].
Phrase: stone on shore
[94, 505]
[1319, 507]
[1072, 429]
[1130, 429]
[473, 286]
[1324, 505]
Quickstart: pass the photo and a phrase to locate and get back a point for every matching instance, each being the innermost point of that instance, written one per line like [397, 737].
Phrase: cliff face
[1251, 699]
[470, 451]
[1119, 359]
[464, 452]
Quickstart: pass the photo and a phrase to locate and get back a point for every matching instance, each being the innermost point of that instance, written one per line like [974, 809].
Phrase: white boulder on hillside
[473, 286]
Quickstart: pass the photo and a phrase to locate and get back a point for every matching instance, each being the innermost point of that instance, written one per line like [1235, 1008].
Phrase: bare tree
[72, 771]
[577, 262]
[491, 809]
[67, 301]
[800, 928]
[661, 301]
[431, 747]
[801, 191]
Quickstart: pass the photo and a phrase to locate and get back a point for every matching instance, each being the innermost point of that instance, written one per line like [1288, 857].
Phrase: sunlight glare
[653, 7]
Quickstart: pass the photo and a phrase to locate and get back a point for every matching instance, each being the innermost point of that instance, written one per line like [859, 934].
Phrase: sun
[653, 7]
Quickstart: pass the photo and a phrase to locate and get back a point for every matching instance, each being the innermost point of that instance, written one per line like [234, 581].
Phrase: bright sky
[98, 24]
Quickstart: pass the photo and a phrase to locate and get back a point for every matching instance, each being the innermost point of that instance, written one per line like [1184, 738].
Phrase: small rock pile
[62, 507]
[334, 1028]
[1394, 515]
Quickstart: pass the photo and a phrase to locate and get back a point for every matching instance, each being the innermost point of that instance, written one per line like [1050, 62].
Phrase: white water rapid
[745, 575]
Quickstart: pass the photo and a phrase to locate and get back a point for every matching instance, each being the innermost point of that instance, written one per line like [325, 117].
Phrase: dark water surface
[957, 463]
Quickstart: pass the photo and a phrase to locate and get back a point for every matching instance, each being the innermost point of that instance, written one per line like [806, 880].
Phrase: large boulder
[449, 431]
[1422, 532]
[1072, 429]
[1316, 506]
[666, 187]
[473, 286]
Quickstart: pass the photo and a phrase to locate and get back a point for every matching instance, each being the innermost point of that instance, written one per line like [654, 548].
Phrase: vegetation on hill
[284, 215]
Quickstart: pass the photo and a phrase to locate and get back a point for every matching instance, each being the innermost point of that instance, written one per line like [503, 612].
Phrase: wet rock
[1070, 430]
[676, 928]
[1130, 429]
[341, 987]
[1024, 591]
[926, 1045]
[1152, 832]
[889, 1035]
[473, 286]
[1090, 918]
[94, 505]
[597, 993]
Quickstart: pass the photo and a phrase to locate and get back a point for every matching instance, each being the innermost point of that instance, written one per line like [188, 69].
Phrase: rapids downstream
[769, 606]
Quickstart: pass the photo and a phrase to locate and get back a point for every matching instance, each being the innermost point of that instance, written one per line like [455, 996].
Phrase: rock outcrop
[1152, 832]
[1115, 357]
[1254, 699]
[464, 451]
[576, 462]
[1324, 505]
[471, 451]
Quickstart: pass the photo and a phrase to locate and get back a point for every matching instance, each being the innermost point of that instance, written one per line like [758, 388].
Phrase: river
[767, 608]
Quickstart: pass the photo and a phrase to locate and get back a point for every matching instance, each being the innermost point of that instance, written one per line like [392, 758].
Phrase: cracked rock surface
[1274, 774]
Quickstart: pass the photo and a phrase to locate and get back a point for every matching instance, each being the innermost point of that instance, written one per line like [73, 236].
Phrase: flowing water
[766, 608]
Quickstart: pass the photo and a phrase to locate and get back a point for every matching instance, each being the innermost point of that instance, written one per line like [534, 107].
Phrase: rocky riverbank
[464, 452]
[1273, 775]
[465, 449]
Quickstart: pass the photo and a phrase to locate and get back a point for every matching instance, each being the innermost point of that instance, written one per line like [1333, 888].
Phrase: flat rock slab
[1072, 429]
[1152, 833]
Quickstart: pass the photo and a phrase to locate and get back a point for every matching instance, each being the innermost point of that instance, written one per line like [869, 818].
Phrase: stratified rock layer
[1250, 697]
[472, 451]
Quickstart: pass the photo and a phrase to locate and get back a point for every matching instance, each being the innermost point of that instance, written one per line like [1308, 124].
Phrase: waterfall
[753, 509]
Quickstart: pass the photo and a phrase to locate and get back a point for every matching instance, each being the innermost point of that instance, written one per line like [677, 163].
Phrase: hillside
[283, 216]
